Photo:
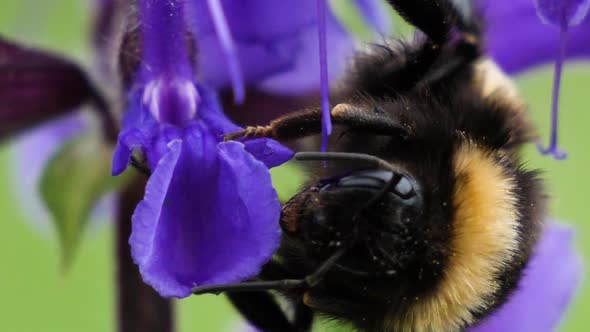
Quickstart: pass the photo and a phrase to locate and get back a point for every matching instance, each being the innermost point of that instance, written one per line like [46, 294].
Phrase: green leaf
[75, 178]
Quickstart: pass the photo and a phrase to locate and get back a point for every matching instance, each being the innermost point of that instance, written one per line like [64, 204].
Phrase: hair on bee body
[424, 216]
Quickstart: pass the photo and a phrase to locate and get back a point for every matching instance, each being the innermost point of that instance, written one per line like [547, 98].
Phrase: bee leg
[262, 311]
[308, 122]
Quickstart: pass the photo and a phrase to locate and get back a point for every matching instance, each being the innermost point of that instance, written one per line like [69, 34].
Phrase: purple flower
[519, 23]
[210, 214]
[176, 121]
[515, 25]
[276, 43]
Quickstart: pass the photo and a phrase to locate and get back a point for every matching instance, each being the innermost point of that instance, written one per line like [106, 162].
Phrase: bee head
[372, 212]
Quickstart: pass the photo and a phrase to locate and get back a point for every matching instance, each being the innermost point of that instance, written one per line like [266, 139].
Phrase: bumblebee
[422, 217]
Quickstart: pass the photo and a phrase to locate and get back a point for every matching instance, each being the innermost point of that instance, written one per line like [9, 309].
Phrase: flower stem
[139, 307]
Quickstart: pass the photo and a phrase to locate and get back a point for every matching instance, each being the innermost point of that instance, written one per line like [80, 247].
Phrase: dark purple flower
[36, 86]
[210, 214]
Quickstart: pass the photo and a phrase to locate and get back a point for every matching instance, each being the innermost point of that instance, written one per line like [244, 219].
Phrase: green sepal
[76, 177]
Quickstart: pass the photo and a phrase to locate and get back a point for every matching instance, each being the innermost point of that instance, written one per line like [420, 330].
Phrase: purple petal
[562, 13]
[276, 43]
[212, 113]
[162, 23]
[269, 151]
[518, 40]
[210, 215]
[36, 86]
[544, 293]
[138, 131]
[128, 142]
[154, 117]
[302, 75]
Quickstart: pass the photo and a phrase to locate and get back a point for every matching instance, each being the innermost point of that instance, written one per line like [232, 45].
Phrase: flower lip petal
[185, 235]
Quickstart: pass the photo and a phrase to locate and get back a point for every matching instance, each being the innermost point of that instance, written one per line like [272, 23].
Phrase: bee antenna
[374, 161]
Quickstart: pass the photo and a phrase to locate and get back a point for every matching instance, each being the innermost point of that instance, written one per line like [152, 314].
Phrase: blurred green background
[36, 296]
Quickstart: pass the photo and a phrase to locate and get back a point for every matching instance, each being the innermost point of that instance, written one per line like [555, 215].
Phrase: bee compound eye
[368, 179]
[374, 180]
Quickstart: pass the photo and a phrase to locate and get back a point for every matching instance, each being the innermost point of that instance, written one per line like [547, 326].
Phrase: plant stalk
[139, 307]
